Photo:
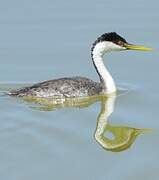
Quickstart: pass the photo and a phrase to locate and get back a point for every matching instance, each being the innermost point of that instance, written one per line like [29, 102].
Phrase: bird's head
[113, 42]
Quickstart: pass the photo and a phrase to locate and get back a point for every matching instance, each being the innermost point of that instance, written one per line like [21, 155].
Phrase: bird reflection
[111, 137]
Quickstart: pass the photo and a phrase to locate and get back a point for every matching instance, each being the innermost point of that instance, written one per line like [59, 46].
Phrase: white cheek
[109, 46]
[102, 47]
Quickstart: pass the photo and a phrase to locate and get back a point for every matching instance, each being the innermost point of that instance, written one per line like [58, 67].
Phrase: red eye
[120, 43]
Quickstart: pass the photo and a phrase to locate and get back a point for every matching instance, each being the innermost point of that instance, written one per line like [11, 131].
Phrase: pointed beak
[136, 47]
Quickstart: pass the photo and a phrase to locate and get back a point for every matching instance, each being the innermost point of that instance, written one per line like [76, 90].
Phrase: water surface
[42, 40]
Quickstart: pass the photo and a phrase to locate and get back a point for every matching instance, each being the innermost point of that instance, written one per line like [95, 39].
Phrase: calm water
[42, 40]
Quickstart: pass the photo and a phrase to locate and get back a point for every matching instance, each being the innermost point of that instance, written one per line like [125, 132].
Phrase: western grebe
[81, 86]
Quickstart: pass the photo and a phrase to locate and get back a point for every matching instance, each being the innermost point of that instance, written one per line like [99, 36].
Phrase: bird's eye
[120, 43]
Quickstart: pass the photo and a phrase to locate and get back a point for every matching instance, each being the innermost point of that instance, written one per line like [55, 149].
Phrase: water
[42, 40]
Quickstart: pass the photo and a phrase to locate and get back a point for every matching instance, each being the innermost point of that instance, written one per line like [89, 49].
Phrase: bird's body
[81, 86]
[61, 88]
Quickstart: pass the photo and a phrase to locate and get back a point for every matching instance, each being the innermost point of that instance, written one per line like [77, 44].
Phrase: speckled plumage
[61, 88]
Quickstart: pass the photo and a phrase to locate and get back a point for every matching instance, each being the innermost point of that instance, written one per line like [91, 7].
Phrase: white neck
[97, 56]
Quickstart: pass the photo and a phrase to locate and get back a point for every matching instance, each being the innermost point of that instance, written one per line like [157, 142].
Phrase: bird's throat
[105, 77]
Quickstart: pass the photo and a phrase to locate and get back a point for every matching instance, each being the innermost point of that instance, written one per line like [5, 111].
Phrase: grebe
[81, 86]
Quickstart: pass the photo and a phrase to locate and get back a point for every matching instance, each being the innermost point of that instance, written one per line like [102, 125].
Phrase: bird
[72, 87]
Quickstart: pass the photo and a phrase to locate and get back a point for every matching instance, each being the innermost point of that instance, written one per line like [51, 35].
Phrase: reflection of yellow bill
[136, 47]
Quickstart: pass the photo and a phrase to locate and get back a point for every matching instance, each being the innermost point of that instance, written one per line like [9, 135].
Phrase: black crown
[112, 36]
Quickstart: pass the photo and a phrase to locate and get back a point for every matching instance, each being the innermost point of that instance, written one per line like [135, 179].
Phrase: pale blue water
[41, 40]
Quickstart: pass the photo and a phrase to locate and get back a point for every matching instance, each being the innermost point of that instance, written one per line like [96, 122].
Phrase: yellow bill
[136, 47]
